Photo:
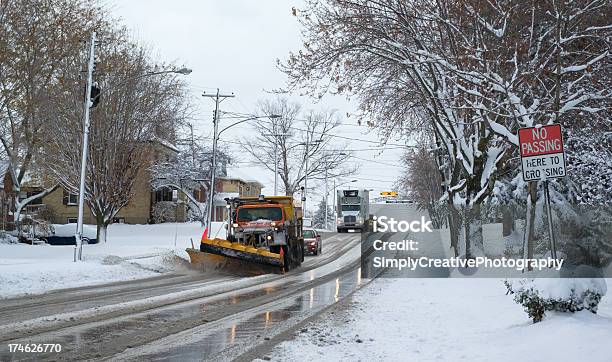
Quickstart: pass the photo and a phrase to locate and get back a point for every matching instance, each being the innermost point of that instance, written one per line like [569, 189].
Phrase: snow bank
[35, 276]
[447, 320]
[7, 238]
[131, 252]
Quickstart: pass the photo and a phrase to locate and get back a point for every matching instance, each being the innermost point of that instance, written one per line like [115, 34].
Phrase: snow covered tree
[288, 136]
[471, 72]
[189, 172]
[35, 37]
[136, 113]
[423, 182]
[319, 216]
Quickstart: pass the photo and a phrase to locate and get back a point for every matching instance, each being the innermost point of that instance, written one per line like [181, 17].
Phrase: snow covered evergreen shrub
[6, 238]
[164, 211]
[557, 294]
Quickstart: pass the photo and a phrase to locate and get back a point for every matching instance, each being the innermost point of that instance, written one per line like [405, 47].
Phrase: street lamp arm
[245, 120]
[183, 71]
[234, 124]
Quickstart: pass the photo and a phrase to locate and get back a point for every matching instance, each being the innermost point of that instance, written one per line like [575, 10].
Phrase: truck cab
[272, 223]
[353, 208]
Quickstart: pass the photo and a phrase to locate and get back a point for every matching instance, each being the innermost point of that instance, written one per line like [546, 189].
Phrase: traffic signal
[95, 94]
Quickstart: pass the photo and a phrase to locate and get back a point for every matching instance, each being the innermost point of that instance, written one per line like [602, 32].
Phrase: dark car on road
[312, 242]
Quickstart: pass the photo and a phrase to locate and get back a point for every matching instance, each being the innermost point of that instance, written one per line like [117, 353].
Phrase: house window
[38, 201]
[72, 220]
[198, 194]
[219, 213]
[73, 199]
[70, 199]
[118, 220]
[163, 194]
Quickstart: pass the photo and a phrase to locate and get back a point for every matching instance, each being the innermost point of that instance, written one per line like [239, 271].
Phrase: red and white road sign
[542, 152]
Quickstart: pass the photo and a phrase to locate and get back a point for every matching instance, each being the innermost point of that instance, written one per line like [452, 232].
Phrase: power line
[370, 179]
[377, 162]
[353, 139]
[339, 123]
[383, 147]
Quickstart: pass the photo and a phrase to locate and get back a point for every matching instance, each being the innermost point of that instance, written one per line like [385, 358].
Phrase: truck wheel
[301, 256]
[287, 259]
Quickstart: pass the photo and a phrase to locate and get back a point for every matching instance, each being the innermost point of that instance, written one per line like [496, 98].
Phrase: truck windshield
[351, 207]
[260, 213]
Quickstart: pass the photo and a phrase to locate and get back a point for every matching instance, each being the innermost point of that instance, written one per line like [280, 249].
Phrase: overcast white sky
[233, 45]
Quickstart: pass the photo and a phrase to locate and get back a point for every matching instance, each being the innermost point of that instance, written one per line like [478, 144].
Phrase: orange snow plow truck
[264, 234]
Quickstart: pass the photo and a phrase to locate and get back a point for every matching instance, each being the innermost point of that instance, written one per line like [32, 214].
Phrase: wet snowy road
[181, 317]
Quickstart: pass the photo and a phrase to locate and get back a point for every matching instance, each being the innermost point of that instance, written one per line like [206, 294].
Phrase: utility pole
[327, 191]
[276, 136]
[305, 177]
[275, 158]
[193, 158]
[211, 194]
[276, 161]
[306, 171]
[78, 247]
[326, 198]
[335, 203]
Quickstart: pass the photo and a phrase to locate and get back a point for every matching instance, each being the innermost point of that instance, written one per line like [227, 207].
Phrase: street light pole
[276, 136]
[87, 106]
[275, 159]
[306, 172]
[78, 247]
[326, 190]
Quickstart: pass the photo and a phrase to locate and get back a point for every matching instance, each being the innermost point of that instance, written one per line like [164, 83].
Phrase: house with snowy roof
[144, 206]
[233, 183]
[9, 188]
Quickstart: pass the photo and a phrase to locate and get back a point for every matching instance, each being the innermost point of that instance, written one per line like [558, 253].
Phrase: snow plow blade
[236, 258]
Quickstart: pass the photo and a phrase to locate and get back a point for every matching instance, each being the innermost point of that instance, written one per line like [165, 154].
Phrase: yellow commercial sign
[389, 193]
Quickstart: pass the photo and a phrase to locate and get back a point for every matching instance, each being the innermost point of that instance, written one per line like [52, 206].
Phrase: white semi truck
[353, 210]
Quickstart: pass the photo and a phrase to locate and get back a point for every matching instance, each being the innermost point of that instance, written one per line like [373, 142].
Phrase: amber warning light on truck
[542, 154]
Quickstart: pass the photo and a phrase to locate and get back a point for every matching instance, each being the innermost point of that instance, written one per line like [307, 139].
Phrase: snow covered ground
[448, 320]
[131, 252]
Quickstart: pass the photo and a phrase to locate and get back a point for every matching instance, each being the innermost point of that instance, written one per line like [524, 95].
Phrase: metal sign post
[542, 158]
[553, 244]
